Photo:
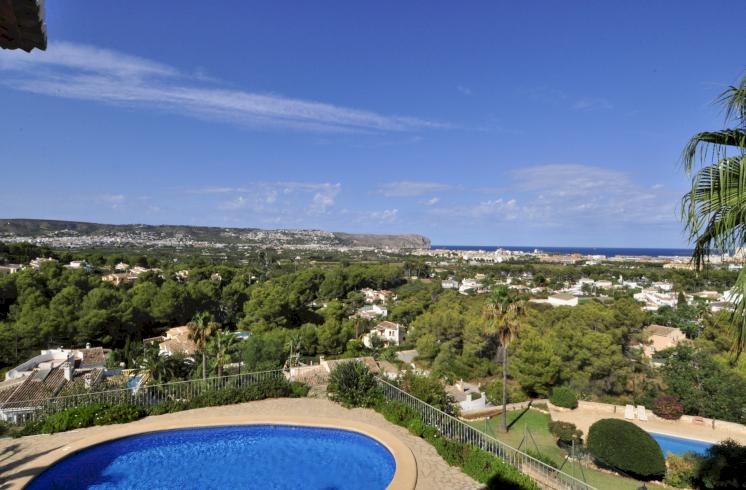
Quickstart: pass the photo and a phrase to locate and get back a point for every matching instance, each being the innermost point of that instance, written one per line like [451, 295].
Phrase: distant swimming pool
[246, 456]
[679, 445]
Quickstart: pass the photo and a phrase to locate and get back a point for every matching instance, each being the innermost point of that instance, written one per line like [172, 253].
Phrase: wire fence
[545, 476]
[147, 396]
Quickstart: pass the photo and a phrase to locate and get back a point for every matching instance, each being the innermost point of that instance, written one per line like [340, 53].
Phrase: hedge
[564, 397]
[626, 448]
[103, 414]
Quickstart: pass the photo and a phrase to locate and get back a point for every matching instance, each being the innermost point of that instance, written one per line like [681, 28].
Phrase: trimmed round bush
[624, 447]
[566, 432]
[668, 407]
[563, 396]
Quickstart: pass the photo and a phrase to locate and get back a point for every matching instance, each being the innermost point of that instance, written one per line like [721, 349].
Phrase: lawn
[532, 427]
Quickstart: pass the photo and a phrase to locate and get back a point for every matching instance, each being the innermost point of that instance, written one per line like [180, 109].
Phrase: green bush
[722, 467]
[566, 432]
[430, 390]
[542, 457]
[84, 416]
[622, 446]
[3, 429]
[563, 396]
[353, 385]
[681, 470]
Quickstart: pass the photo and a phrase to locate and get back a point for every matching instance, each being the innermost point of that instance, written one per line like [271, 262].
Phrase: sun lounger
[642, 414]
[629, 412]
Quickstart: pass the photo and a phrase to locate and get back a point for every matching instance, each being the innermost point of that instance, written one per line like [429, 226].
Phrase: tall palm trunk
[204, 365]
[505, 389]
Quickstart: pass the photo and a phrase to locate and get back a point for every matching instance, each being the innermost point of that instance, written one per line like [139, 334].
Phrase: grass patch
[537, 423]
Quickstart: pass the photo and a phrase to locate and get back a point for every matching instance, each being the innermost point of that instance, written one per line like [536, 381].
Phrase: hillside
[76, 234]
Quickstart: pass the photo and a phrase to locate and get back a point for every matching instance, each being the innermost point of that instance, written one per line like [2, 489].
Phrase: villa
[174, 341]
[119, 278]
[449, 283]
[376, 296]
[52, 373]
[390, 333]
[469, 396]
[371, 312]
[10, 268]
[562, 299]
[37, 262]
[660, 337]
[654, 299]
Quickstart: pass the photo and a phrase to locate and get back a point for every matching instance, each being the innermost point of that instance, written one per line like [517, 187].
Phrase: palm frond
[713, 145]
[734, 101]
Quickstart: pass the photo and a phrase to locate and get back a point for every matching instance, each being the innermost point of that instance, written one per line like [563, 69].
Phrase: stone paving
[17, 455]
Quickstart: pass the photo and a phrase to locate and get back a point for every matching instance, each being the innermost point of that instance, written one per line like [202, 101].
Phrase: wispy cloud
[463, 90]
[592, 104]
[278, 198]
[570, 196]
[84, 72]
[432, 201]
[385, 216]
[406, 188]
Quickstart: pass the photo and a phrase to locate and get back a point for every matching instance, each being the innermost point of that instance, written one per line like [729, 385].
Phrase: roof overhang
[22, 25]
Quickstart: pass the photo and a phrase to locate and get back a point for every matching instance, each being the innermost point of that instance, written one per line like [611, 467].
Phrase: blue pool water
[249, 456]
[678, 445]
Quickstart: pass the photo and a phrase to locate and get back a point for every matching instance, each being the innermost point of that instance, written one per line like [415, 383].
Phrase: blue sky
[522, 123]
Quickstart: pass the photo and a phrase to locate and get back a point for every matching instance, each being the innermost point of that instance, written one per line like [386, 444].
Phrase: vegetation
[713, 208]
[668, 407]
[565, 397]
[104, 414]
[681, 470]
[353, 385]
[566, 433]
[722, 467]
[624, 447]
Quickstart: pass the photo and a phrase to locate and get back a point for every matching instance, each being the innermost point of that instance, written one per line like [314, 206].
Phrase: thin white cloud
[385, 216]
[84, 72]
[432, 201]
[278, 198]
[587, 104]
[410, 188]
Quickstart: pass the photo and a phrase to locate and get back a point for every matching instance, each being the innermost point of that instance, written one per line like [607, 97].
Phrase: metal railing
[146, 396]
[545, 476]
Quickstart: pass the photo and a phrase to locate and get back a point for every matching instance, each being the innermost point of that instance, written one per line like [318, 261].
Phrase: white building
[664, 286]
[449, 283]
[79, 264]
[389, 332]
[468, 396]
[372, 311]
[562, 299]
[469, 285]
[654, 299]
[376, 296]
[10, 268]
[37, 262]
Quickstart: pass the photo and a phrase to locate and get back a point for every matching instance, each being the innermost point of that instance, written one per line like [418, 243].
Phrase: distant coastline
[607, 251]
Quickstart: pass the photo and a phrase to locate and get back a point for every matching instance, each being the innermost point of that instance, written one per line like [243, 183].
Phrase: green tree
[536, 366]
[503, 312]
[715, 207]
[201, 329]
[222, 346]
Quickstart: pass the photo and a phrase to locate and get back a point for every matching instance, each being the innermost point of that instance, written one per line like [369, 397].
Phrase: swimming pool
[245, 456]
[679, 445]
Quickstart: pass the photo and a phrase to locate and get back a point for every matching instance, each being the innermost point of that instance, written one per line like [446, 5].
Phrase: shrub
[429, 390]
[84, 416]
[668, 407]
[486, 468]
[722, 467]
[566, 433]
[622, 446]
[681, 470]
[353, 385]
[3, 428]
[542, 457]
[563, 396]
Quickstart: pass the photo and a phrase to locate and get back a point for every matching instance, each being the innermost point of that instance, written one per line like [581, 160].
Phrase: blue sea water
[678, 445]
[249, 456]
[607, 251]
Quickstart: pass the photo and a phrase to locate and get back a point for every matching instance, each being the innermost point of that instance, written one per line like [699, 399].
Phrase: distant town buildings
[175, 340]
[371, 312]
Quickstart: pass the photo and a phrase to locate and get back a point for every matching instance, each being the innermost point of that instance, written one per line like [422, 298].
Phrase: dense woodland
[308, 304]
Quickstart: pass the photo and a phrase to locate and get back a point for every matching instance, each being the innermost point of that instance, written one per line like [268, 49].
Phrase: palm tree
[294, 343]
[200, 329]
[503, 312]
[222, 346]
[714, 210]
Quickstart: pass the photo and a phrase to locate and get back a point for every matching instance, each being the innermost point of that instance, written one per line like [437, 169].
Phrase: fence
[146, 396]
[546, 476]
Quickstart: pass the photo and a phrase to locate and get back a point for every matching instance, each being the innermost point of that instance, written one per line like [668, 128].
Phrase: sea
[607, 251]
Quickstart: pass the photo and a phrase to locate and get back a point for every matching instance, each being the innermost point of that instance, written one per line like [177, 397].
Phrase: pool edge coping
[405, 473]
